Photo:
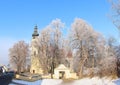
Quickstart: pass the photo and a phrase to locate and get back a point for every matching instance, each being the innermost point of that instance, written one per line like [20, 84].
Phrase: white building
[63, 72]
[35, 63]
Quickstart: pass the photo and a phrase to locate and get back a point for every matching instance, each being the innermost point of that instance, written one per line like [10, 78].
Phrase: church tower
[35, 33]
[35, 63]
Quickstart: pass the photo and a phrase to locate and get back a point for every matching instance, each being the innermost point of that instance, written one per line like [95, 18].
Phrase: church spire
[35, 33]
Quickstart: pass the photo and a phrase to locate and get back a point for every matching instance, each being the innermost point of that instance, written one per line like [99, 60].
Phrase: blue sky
[18, 18]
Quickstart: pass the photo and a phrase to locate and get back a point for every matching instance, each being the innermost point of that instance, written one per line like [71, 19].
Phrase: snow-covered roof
[61, 67]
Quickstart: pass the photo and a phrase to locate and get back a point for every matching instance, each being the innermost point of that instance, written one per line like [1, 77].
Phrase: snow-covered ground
[84, 81]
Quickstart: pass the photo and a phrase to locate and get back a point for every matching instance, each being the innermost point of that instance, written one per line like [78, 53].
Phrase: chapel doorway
[61, 74]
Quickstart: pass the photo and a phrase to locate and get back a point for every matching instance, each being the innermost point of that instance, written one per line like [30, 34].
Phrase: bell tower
[35, 33]
[35, 63]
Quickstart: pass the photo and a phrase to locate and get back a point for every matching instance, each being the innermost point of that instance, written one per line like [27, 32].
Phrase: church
[35, 65]
[59, 72]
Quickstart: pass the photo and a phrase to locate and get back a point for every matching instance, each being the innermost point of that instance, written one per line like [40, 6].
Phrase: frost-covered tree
[115, 5]
[88, 44]
[109, 62]
[18, 55]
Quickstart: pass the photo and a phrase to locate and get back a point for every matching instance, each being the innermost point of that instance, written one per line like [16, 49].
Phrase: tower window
[34, 53]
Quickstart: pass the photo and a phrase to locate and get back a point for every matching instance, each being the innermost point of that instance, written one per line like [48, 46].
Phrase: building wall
[35, 63]
[66, 75]
[67, 72]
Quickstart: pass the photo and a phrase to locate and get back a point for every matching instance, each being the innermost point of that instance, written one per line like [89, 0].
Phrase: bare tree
[55, 44]
[115, 5]
[18, 55]
[117, 52]
[86, 42]
[109, 61]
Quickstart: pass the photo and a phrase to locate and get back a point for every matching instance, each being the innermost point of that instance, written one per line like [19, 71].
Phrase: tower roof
[35, 33]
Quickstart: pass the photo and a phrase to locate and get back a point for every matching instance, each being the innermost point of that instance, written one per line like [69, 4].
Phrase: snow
[84, 81]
